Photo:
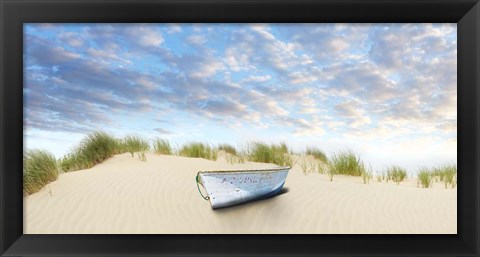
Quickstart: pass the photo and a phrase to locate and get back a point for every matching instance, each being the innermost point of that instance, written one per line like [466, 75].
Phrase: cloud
[106, 57]
[352, 111]
[308, 79]
[363, 80]
[404, 46]
[163, 131]
[328, 42]
[309, 106]
[70, 92]
[39, 50]
[147, 35]
[174, 28]
[72, 39]
[200, 64]
[257, 79]
[196, 39]
[223, 107]
[255, 46]
[301, 77]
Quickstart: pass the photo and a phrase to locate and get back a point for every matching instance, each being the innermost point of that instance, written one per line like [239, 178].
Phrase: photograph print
[318, 128]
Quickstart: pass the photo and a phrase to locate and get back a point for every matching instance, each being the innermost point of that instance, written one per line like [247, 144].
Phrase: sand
[124, 195]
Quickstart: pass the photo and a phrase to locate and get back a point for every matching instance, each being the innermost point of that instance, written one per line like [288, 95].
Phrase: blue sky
[386, 91]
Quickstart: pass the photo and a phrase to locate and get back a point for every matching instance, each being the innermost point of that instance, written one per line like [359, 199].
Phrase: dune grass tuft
[367, 175]
[232, 154]
[277, 154]
[446, 174]
[227, 148]
[198, 150]
[396, 174]
[135, 144]
[317, 154]
[330, 173]
[306, 165]
[346, 163]
[282, 148]
[322, 167]
[232, 159]
[450, 175]
[39, 169]
[93, 149]
[162, 146]
[437, 175]
[424, 178]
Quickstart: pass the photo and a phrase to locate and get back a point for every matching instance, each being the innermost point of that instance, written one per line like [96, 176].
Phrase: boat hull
[234, 187]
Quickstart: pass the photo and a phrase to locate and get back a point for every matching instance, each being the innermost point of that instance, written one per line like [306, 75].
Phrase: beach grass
[93, 149]
[198, 150]
[317, 154]
[39, 169]
[330, 173]
[232, 159]
[424, 178]
[396, 174]
[281, 147]
[162, 146]
[450, 175]
[446, 174]
[135, 144]
[384, 176]
[346, 163]
[227, 148]
[99, 146]
[232, 155]
[70, 162]
[322, 167]
[274, 153]
[367, 175]
[306, 165]
[437, 175]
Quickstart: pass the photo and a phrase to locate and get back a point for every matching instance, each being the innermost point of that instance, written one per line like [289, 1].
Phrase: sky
[385, 91]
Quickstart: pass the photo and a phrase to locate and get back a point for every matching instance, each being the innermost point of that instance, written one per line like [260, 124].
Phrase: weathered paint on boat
[227, 188]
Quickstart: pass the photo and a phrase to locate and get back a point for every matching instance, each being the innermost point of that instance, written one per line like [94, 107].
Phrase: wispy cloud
[301, 80]
[163, 131]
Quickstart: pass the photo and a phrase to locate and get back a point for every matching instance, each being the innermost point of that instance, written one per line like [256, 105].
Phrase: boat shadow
[252, 202]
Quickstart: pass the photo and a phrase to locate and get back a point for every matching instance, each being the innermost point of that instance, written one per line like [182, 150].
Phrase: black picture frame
[13, 13]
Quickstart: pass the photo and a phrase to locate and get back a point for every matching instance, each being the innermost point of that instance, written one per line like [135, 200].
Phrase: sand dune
[126, 195]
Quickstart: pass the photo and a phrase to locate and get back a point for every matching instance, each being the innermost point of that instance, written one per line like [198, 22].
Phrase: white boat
[227, 188]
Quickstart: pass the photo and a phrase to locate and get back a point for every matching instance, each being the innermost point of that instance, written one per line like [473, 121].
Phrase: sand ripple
[126, 195]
